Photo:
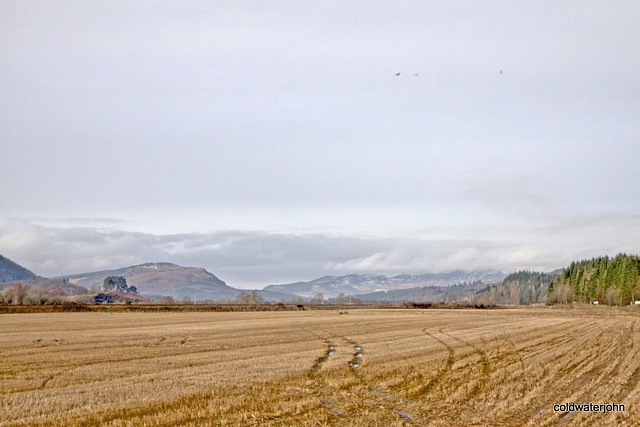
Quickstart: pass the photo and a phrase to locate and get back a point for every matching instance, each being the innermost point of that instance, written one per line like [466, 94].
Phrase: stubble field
[364, 368]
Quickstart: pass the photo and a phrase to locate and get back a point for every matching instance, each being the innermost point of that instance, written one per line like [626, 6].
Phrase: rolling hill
[355, 284]
[451, 293]
[163, 279]
[10, 271]
[519, 288]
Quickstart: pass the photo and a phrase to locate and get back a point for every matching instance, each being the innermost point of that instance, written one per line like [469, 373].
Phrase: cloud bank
[249, 259]
[275, 142]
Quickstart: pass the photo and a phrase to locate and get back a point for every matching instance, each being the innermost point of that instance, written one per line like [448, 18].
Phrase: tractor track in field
[484, 360]
[328, 352]
[324, 357]
[377, 396]
[573, 377]
[328, 395]
[357, 355]
[337, 401]
[633, 380]
[438, 377]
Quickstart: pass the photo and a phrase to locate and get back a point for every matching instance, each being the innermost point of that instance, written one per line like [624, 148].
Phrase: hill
[355, 284]
[451, 293]
[11, 272]
[163, 279]
[520, 288]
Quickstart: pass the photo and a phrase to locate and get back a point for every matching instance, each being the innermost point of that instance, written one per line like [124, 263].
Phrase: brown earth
[365, 368]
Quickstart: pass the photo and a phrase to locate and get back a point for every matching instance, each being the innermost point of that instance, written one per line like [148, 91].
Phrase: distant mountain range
[579, 281]
[166, 279]
[174, 280]
[357, 284]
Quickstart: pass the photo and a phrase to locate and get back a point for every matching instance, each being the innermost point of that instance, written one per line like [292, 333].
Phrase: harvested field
[369, 367]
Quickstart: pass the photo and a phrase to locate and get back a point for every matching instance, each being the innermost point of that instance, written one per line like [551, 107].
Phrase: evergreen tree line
[611, 280]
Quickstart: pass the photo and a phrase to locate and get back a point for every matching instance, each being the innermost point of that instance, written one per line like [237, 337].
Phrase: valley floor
[364, 368]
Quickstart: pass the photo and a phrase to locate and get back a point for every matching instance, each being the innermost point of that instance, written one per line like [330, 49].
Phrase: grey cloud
[175, 120]
[253, 258]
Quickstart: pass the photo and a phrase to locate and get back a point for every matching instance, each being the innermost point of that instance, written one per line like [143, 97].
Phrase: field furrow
[317, 368]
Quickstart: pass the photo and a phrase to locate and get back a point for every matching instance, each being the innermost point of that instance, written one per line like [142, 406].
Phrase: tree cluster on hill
[115, 290]
[614, 280]
[118, 284]
[520, 288]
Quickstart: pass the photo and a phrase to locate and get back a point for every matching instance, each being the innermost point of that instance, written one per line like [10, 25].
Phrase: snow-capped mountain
[353, 284]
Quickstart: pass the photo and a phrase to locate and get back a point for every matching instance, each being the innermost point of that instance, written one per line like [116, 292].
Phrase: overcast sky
[273, 141]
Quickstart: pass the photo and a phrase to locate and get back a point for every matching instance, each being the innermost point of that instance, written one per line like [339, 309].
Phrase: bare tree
[318, 299]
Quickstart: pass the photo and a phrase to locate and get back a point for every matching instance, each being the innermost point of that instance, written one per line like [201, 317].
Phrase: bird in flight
[416, 74]
[397, 74]
[501, 72]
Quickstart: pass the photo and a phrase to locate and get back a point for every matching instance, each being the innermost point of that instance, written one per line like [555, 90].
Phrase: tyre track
[523, 369]
[380, 398]
[357, 356]
[329, 351]
[323, 358]
[437, 378]
[559, 388]
[486, 365]
[634, 379]
[326, 394]
[626, 357]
